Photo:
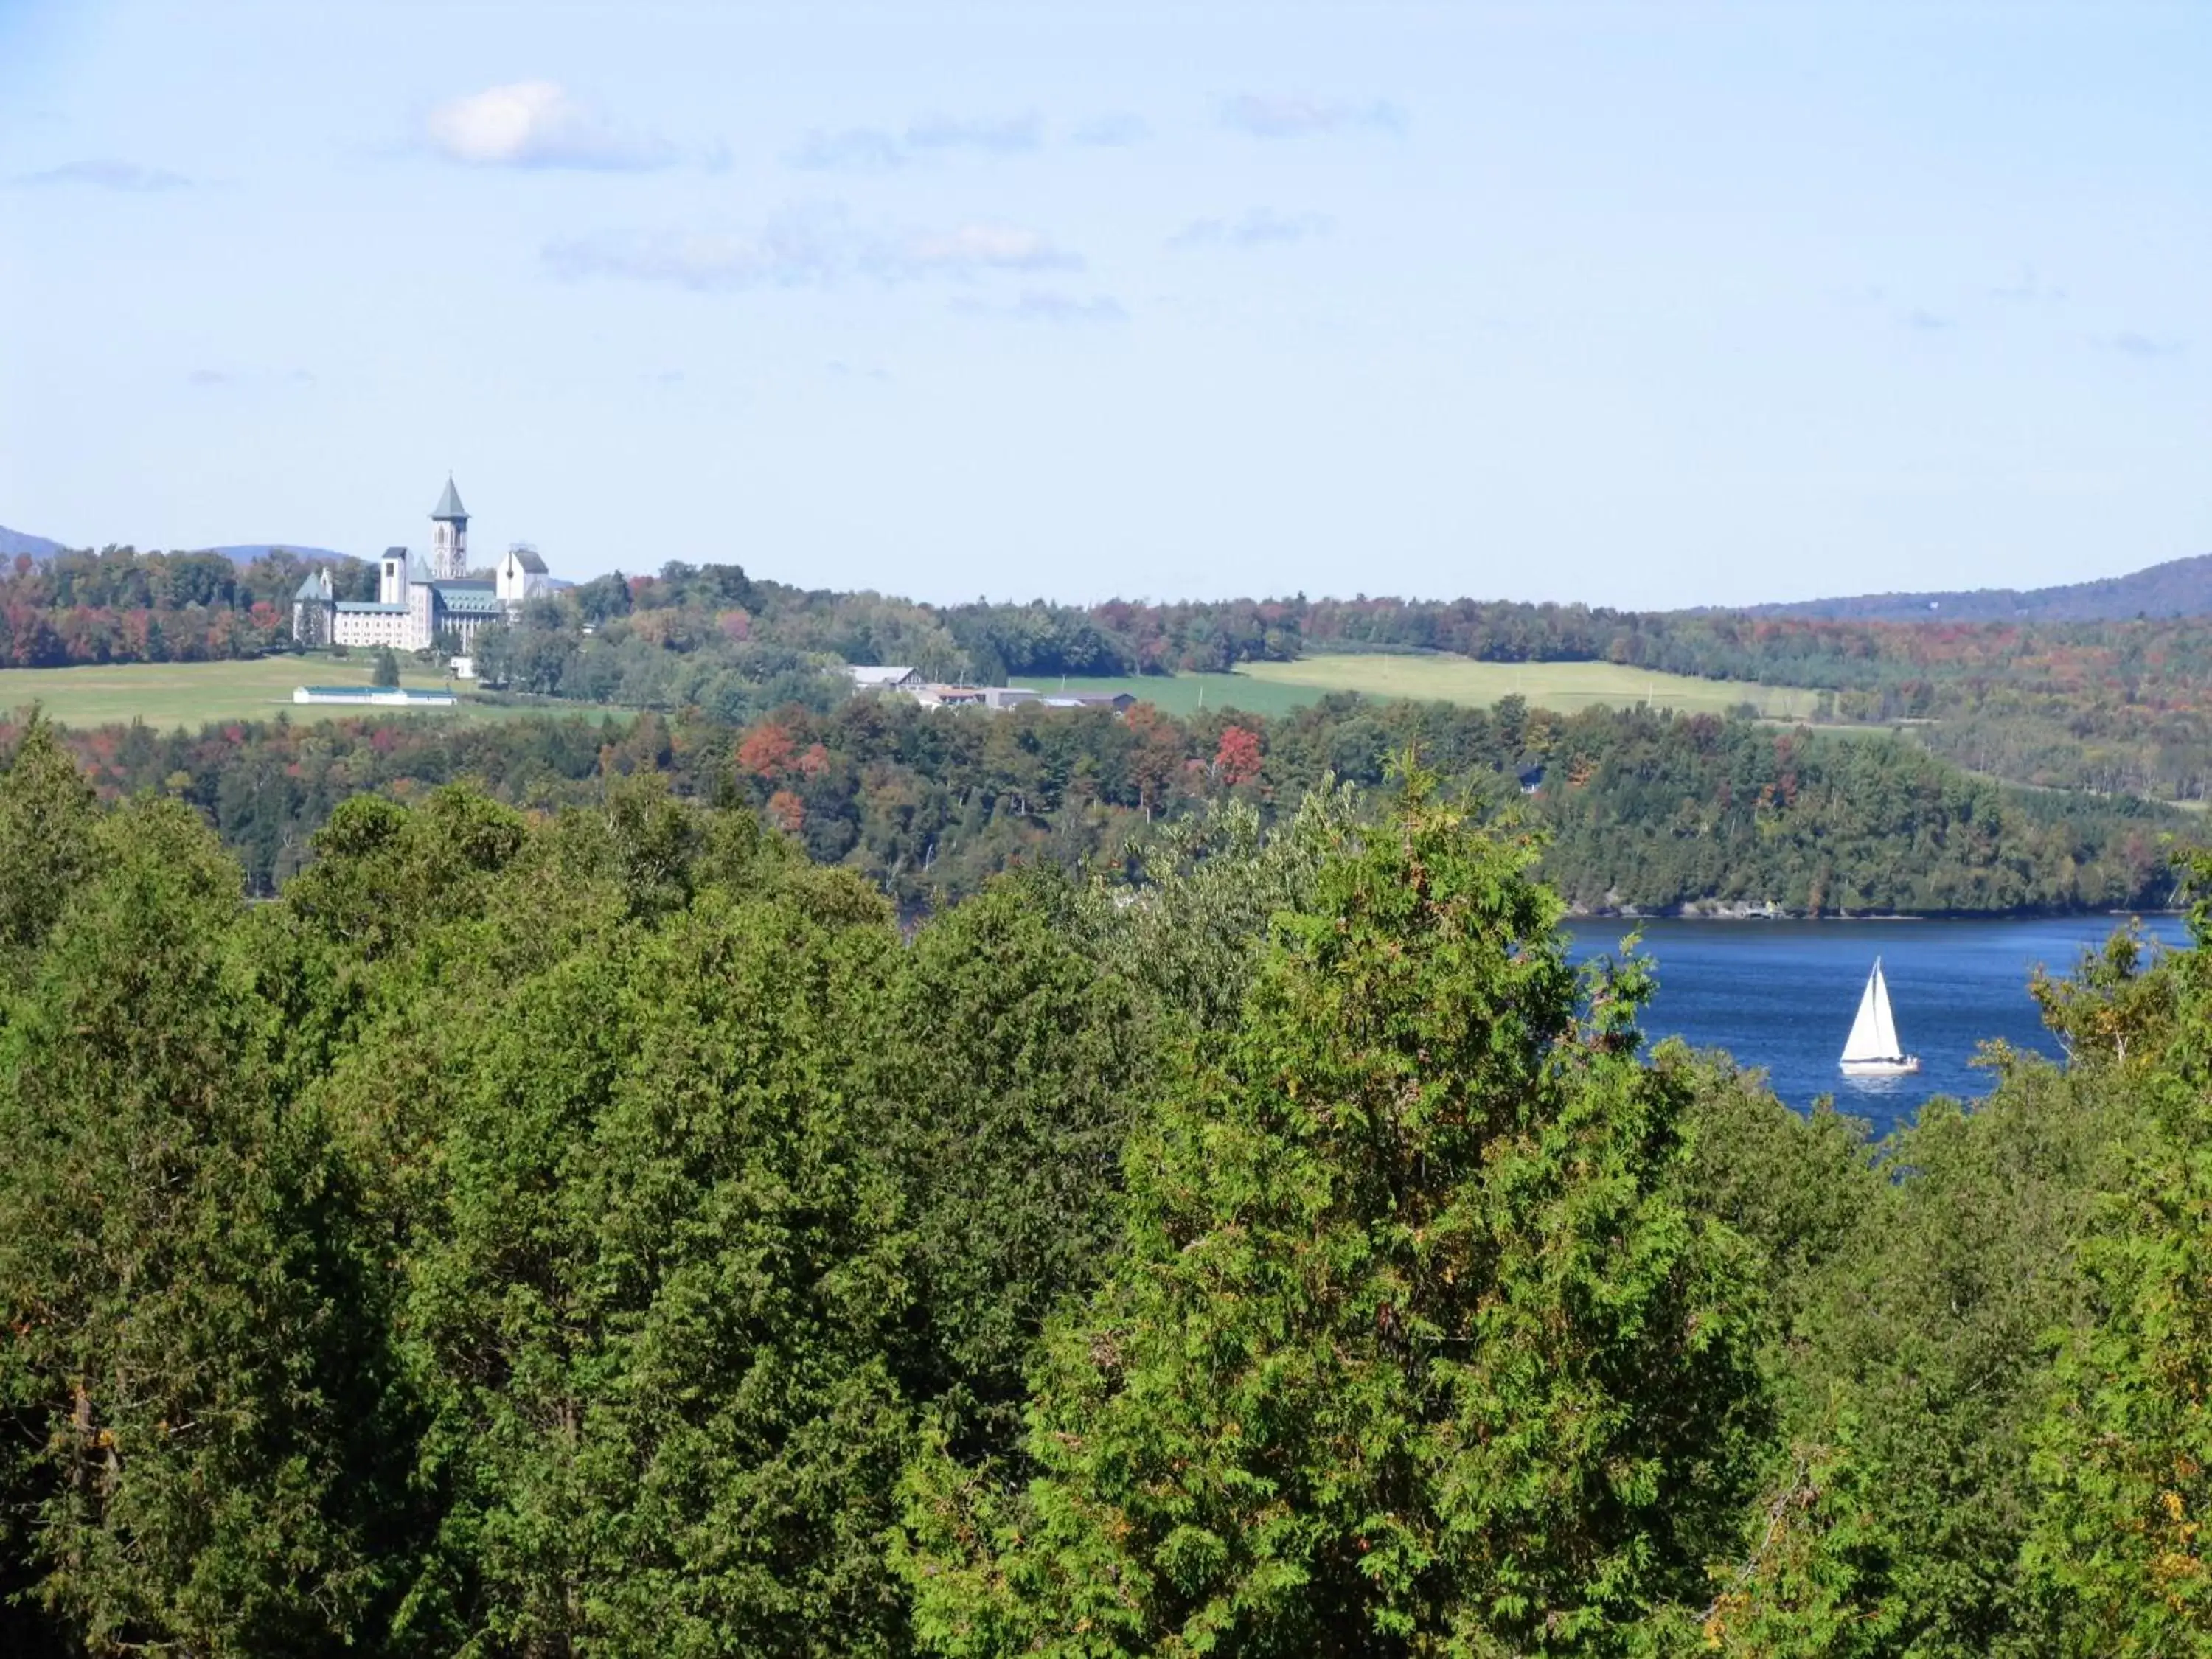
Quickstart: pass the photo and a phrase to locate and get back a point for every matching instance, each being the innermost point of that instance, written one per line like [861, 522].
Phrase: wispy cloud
[877, 149]
[855, 149]
[2030, 290]
[108, 174]
[1112, 131]
[1048, 306]
[1011, 136]
[1261, 227]
[208, 378]
[982, 247]
[539, 124]
[800, 247]
[807, 248]
[1265, 117]
[1923, 321]
[2129, 344]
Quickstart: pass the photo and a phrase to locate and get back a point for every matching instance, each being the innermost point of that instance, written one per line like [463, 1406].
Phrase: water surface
[1780, 994]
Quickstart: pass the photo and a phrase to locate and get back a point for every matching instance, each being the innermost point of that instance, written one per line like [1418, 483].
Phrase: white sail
[1874, 1033]
[1884, 1021]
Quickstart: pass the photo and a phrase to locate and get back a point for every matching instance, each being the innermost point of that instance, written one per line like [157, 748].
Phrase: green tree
[1011, 1064]
[1410, 1349]
[195, 1310]
[384, 670]
[2125, 1450]
[48, 843]
[655, 1300]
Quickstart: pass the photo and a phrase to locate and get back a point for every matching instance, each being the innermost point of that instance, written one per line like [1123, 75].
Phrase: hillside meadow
[166, 695]
[1565, 688]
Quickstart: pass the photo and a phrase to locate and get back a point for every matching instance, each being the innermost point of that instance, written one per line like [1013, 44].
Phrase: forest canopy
[600, 1228]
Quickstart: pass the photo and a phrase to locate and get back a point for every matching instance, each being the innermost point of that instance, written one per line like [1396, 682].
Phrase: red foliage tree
[766, 750]
[1237, 760]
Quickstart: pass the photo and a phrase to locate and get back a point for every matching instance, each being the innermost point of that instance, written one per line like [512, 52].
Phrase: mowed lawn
[1565, 687]
[166, 695]
[1273, 688]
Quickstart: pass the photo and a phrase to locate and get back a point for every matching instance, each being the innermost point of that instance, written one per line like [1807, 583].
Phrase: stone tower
[449, 537]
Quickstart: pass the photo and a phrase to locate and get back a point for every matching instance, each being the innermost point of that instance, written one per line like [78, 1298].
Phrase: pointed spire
[449, 504]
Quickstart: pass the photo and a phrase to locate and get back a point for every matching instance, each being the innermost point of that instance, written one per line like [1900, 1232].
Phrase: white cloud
[814, 246]
[108, 175]
[538, 124]
[1259, 228]
[874, 149]
[983, 247]
[1048, 306]
[855, 149]
[1012, 136]
[1112, 131]
[1267, 116]
[800, 248]
[2129, 344]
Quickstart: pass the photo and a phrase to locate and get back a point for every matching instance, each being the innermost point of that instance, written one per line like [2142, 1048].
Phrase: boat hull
[1903, 1068]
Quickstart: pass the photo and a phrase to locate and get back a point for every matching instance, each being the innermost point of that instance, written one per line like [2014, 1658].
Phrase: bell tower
[449, 537]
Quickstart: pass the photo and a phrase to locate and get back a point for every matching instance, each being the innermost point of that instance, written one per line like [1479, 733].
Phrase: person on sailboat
[1872, 1049]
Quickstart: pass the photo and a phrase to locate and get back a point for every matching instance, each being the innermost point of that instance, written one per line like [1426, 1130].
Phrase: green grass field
[1186, 694]
[167, 695]
[1273, 688]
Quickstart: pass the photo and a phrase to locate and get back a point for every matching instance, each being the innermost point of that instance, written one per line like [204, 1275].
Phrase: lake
[1780, 995]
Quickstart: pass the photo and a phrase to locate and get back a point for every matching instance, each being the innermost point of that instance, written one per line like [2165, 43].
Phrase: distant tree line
[2104, 707]
[1639, 810]
[121, 605]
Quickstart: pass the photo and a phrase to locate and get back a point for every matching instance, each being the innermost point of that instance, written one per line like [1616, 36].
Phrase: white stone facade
[416, 602]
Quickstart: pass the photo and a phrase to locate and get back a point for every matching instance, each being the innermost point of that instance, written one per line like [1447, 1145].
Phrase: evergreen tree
[1010, 1065]
[1410, 1348]
[195, 1318]
[47, 843]
[384, 670]
[654, 1304]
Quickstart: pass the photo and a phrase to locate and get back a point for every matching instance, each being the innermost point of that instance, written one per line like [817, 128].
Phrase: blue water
[1779, 995]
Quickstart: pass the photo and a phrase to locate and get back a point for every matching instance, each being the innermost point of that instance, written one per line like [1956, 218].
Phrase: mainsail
[1874, 1033]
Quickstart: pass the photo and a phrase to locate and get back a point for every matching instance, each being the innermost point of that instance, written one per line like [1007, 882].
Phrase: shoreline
[1741, 913]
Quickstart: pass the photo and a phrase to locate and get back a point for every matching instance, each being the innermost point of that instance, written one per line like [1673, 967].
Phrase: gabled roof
[467, 598]
[449, 504]
[317, 586]
[419, 567]
[528, 558]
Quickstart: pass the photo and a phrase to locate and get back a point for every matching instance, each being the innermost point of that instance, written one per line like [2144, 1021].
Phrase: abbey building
[421, 601]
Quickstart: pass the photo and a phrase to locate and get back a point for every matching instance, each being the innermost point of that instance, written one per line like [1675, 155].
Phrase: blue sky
[1638, 304]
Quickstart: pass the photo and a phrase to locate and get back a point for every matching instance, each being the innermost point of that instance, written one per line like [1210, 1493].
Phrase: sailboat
[1872, 1049]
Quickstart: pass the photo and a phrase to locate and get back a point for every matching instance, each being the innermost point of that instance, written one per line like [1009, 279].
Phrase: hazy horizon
[1647, 309]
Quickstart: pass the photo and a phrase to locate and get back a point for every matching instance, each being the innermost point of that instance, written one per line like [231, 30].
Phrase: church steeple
[449, 536]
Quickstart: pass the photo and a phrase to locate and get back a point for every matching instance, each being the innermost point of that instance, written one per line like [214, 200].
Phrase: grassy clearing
[1564, 687]
[1274, 688]
[166, 694]
[1186, 694]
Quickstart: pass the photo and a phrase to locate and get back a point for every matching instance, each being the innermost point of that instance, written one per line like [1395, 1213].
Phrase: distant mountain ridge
[2179, 587]
[13, 541]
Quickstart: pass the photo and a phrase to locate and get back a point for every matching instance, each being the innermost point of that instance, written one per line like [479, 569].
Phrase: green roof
[449, 504]
[316, 586]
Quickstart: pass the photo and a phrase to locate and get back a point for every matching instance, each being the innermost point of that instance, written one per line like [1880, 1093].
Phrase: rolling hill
[2179, 587]
[13, 541]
